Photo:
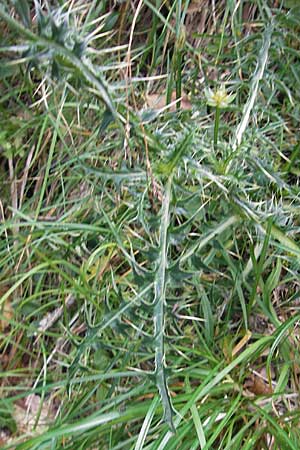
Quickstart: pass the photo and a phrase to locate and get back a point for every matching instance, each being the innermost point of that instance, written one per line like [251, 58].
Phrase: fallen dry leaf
[158, 101]
[25, 416]
[257, 386]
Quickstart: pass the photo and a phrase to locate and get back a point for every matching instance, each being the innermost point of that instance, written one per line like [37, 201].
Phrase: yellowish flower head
[218, 98]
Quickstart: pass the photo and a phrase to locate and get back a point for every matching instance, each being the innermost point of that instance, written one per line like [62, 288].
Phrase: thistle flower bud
[219, 98]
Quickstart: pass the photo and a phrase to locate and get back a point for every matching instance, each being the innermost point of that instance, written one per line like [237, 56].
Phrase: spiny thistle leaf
[108, 320]
[168, 167]
[23, 10]
[58, 49]
[160, 284]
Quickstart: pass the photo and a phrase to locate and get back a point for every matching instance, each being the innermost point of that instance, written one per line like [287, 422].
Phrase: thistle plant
[115, 314]
[218, 99]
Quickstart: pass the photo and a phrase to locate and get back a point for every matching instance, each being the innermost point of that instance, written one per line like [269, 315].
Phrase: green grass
[149, 259]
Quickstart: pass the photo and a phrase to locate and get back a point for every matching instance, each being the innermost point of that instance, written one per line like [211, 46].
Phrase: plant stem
[216, 128]
[178, 78]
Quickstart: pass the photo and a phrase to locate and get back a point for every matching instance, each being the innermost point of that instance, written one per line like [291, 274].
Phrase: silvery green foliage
[56, 26]
[58, 49]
